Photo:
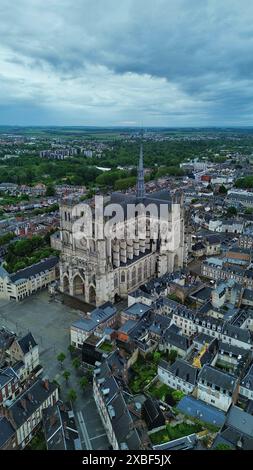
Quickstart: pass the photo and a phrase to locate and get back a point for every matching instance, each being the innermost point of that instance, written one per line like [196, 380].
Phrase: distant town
[126, 344]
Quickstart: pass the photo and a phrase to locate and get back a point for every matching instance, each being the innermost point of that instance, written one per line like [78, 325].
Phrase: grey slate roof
[60, 428]
[247, 380]
[234, 439]
[6, 375]
[202, 338]
[217, 377]
[248, 294]
[38, 393]
[172, 337]
[26, 342]
[182, 370]
[37, 268]
[234, 350]
[160, 324]
[237, 333]
[122, 424]
[6, 431]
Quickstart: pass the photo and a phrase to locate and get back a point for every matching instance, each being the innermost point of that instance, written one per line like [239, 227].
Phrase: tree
[71, 348]
[76, 363]
[124, 183]
[156, 356]
[89, 374]
[83, 382]
[72, 395]
[222, 447]
[248, 210]
[245, 183]
[66, 375]
[60, 358]
[6, 238]
[222, 189]
[50, 191]
[172, 356]
[231, 211]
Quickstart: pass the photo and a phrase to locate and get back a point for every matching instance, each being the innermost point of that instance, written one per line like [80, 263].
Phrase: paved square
[49, 322]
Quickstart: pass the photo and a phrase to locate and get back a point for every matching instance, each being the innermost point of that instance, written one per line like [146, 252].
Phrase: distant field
[109, 133]
[65, 132]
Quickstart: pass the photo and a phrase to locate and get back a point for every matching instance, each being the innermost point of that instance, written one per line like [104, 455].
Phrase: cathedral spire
[140, 180]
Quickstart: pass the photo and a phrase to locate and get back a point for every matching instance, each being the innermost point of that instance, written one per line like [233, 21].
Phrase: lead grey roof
[138, 309]
[97, 316]
[240, 420]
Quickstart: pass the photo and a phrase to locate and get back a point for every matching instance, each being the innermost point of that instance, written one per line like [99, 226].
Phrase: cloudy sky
[126, 62]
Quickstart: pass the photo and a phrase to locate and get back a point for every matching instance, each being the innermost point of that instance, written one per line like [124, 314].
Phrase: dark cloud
[110, 61]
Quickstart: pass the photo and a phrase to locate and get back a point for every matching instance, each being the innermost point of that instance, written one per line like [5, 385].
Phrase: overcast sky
[126, 62]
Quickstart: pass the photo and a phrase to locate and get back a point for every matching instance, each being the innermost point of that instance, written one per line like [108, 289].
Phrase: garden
[143, 372]
[169, 433]
[165, 393]
[106, 347]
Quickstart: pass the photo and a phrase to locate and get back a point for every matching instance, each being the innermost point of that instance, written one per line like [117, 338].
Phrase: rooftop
[35, 269]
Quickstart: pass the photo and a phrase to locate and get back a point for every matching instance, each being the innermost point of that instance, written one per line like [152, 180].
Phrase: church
[100, 269]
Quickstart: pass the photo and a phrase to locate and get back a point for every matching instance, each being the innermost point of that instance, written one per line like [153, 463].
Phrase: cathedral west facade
[100, 269]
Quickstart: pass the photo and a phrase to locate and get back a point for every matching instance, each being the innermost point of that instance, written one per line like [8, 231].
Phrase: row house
[116, 417]
[173, 339]
[246, 385]
[246, 241]
[24, 416]
[9, 385]
[216, 269]
[29, 280]
[196, 322]
[217, 388]
[179, 376]
[23, 356]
